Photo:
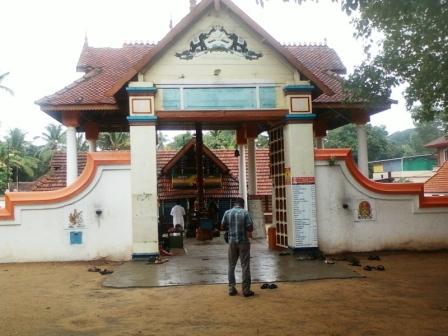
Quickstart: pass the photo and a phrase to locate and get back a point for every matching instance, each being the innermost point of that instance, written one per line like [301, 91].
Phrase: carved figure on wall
[75, 219]
[364, 210]
[218, 39]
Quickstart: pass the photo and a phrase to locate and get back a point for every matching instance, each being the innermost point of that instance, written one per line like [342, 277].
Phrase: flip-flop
[368, 268]
[373, 257]
[94, 269]
[264, 286]
[273, 286]
[380, 268]
[106, 271]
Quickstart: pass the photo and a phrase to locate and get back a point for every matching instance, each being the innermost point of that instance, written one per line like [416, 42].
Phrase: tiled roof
[438, 183]
[439, 142]
[326, 65]
[104, 66]
[55, 178]
[318, 56]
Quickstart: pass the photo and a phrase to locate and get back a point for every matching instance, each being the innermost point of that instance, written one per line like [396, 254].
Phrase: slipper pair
[378, 268]
[268, 286]
[373, 257]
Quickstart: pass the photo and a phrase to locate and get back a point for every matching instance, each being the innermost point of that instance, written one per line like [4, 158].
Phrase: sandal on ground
[380, 268]
[94, 269]
[264, 286]
[368, 268]
[373, 257]
[106, 271]
[273, 286]
[249, 293]
[233, 291]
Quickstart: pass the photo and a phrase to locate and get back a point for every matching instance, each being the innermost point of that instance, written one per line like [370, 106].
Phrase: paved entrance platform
[205, 263]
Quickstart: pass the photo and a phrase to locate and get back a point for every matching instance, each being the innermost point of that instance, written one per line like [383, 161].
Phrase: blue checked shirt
[238, 222]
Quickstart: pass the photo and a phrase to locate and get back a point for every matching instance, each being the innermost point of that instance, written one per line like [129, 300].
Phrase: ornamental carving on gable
[218, 40]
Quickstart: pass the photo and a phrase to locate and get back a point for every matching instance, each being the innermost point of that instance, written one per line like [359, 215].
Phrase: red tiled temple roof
[56, 177]
[438, 183]
[104, 66]
[440, 142]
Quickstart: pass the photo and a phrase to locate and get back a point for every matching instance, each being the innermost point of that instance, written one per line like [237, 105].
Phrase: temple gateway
[216, 69]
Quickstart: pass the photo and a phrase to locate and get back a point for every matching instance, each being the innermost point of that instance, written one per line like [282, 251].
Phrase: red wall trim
[382, 188]
[94, 160]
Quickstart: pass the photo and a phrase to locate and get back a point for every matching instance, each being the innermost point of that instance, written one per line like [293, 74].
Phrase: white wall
[398, 223]
[41, 233]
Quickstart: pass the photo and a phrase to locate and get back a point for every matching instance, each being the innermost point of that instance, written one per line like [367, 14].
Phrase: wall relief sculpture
[218, 40]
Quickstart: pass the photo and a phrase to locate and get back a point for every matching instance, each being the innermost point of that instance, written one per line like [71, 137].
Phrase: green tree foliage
[412, 141]
[413, 49]
[379, 147]
[162, 139]
[180, 140]
[262, 141]
[54, 140]
[220, 139]
[114, 141]
[18, 157]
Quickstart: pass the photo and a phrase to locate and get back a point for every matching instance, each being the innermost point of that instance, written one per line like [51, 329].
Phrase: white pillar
[144, 189]
[242, 173]
[92, 145]
[72, 155]
[363, 159]
[252, 167]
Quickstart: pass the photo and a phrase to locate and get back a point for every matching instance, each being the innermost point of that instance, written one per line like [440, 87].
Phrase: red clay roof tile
[104, 66]
[55, 178]
[438, 183]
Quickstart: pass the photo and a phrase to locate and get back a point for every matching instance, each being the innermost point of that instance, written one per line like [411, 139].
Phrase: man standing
[178, 213]
[238, 223]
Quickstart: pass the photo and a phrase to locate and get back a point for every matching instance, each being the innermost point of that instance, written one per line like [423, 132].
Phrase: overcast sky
[41, 42]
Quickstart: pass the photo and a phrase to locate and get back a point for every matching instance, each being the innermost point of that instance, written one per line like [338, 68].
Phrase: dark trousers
[241, 251]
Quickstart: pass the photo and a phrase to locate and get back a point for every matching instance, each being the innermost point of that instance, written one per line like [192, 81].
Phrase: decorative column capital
[297, 89]
[299, 102]
[92, 130]
[141, 90]
[139, 120]
[360, 117]
[70, 118]
[241, 136]
[141, 98]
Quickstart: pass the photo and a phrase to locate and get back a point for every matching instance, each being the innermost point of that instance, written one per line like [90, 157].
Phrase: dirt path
[409, 298]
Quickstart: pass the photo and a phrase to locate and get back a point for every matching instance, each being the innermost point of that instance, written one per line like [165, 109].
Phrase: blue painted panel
[393, 165]
[219, 98]
[268, 97]
[75, 237]
[171, 99]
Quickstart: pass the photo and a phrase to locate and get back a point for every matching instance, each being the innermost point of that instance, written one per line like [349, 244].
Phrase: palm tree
[19, 161]
[114, 141]
[5, 88]
[54, 137]
[81, 143]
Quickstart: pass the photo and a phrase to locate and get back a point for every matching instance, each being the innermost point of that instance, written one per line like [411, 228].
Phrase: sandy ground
[409, 298]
